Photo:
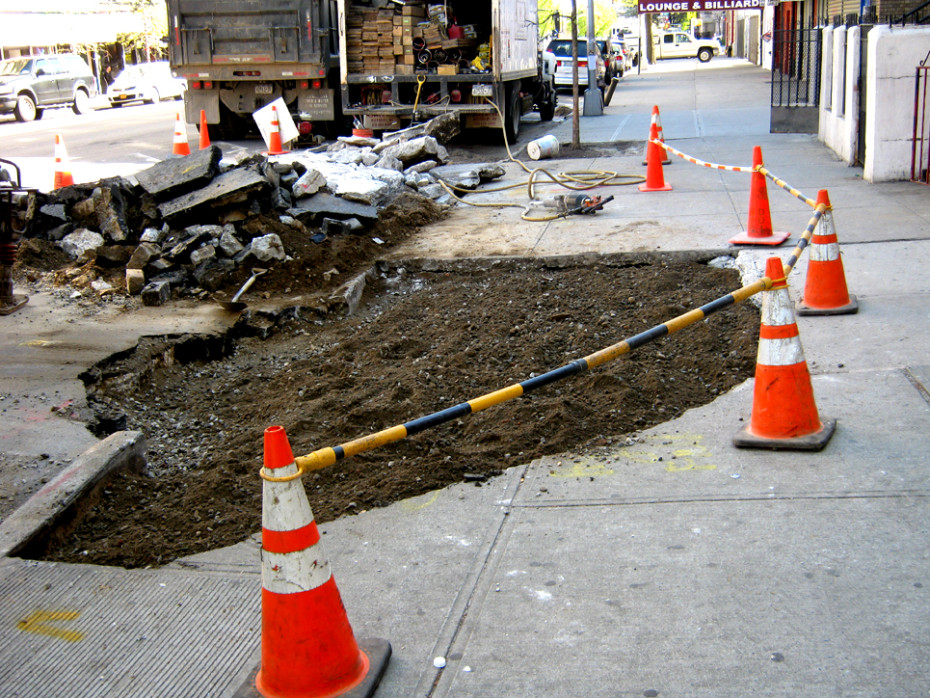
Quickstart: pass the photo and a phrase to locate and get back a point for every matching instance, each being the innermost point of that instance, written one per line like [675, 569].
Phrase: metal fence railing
[920, 142]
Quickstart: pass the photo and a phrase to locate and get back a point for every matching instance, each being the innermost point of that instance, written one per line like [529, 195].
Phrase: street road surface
[109, 142]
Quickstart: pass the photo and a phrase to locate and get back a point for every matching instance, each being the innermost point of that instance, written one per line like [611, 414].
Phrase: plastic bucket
[542, 148]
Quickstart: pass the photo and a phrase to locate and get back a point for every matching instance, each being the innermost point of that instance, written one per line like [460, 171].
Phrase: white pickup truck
[679, 44]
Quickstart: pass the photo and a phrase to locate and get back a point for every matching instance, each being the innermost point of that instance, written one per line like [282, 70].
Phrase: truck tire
[548, 107]
[512, 112]
[705, 54]
[25, 109]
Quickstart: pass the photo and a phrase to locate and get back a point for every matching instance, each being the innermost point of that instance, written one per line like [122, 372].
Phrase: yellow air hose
[581, 180]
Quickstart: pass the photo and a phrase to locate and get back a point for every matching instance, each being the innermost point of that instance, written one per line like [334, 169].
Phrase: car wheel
[704, 55]
[153, 98]
[81, 102]
[25, 109]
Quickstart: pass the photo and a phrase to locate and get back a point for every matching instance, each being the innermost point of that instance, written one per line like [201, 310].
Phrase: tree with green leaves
[151, 40]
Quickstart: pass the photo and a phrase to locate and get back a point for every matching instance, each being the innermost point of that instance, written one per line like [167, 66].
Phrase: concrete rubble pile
[185, 225]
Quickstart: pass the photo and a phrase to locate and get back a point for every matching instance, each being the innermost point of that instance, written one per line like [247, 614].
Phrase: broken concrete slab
[268, 248]
[415, 150]
[234, 186]
[229, 244]
[332, 206]
[156, 292]
[80, 241]
[135, 281]
[363, 190]
[110, 209]
[172, 177]
[144, 253]
[310, 182]
[468, 176]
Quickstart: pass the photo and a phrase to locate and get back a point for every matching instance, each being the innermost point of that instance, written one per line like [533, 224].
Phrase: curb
[57, 501]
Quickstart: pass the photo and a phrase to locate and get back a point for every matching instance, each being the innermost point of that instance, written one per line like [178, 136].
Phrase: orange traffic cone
[274, 137]
[657, 120]
[63, 176]
[825, 292]
[181, 146]
[784, 415]
[655, 180]
[308, 647]
[759, 230]
[204, 131]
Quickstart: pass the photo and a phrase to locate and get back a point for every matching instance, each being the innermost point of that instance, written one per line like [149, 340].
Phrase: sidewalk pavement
[668, 564]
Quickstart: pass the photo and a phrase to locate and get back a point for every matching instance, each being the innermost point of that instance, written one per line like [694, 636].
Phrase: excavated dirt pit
[422, 341]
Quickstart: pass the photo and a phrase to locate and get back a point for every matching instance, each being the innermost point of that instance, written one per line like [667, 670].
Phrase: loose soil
[423, 341]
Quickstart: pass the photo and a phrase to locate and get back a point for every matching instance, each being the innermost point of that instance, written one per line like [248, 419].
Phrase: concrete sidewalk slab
[662, 563]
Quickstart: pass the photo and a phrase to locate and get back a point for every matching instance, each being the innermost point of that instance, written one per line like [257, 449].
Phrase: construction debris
[192, 225]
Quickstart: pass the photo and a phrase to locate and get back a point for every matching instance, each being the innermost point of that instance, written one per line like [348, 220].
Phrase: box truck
[406, 61]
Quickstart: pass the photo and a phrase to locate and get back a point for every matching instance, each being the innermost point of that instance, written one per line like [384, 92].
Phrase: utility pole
[593, 99]
[576, 124]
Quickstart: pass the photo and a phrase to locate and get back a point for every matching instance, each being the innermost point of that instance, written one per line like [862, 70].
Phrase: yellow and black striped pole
[325, 457]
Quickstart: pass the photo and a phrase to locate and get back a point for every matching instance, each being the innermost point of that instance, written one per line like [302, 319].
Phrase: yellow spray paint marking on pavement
[583, 467]
[415, 505]
[37, 623]
[39, 343]
[690, 454]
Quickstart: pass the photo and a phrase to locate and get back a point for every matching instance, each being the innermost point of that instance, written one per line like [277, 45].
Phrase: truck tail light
[196, 85]
[456, 96]
[208, 84]
[317, 84]
[304, 127]
[303, 84]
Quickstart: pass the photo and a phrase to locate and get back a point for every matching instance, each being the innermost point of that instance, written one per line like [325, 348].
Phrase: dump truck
[680, 44]
[407, 61]
[240, 55]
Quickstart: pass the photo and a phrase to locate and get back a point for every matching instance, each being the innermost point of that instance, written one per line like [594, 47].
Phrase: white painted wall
[839, 92]
[894, 54]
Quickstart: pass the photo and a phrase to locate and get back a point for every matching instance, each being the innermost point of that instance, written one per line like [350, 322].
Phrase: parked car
[612, 60]
[145, 82]
[31, 84]
[558, 56]
[624, 57]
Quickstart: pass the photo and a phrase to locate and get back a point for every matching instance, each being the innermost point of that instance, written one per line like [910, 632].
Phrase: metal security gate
[863, 89]
[796, 58]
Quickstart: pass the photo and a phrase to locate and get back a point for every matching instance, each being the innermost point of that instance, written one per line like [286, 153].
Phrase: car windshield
[563, 48]
[129, 74]
[15, 66]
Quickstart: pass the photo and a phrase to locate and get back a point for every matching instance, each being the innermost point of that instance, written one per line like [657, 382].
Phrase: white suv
[558, 55]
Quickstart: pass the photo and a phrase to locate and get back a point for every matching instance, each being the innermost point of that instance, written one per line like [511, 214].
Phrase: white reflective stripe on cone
[292, 573]
[824, 252]
[285, 505]
[777, 309]
[780, 352]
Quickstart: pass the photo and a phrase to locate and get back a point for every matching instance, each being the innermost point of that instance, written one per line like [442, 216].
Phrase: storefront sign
[698, 5]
